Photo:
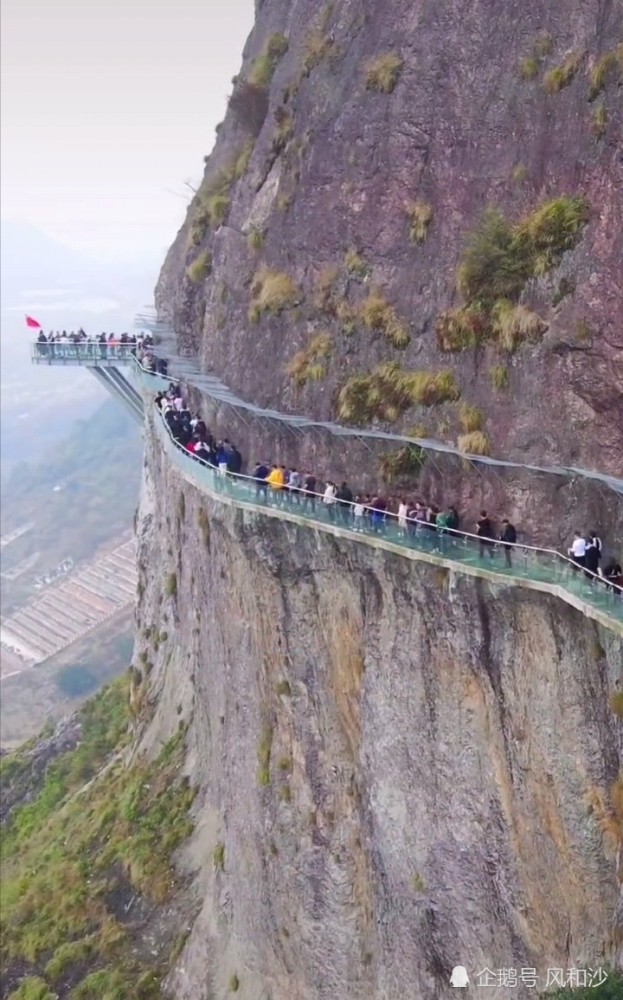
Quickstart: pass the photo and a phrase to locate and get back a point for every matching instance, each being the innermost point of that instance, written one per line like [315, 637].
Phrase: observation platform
[539, 569]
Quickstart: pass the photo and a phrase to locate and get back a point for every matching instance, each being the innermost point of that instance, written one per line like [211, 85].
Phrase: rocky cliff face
[398, 769]
[361, 147]
[411, 219]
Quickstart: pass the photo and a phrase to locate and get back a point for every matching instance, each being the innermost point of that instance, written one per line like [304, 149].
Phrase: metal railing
[84, 351]
[514, 562]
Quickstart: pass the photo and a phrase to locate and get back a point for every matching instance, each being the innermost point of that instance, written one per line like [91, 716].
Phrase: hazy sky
[107, 107]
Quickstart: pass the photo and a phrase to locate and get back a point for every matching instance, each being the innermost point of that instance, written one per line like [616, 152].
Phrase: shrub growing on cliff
[491, 267]
[501, 257]
[377, 314]
[324, 289]
[462, 329]
[499, 377]
[264, 65]
[310, 365]
[470, 418]
[284, 129]
[561, 76]
[609, 67]
[356, 265]
[513, 325]
[383, 72]
[200, 267]
[318, 45]
[616, 703]
[33, 988]
[170, 587]
[211, 203]
[264, 751]
[599, 121]
[272, 292]
[388, 391]
[249, 105]
[255, 238]
[420, 216]
[241, 163]
[529, 68]
[402, 463]
[474, 443]
[218, 857]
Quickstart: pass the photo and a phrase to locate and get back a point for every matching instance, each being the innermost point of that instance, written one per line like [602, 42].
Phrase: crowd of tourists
[67, 345]
[80, 337]
[430, 526]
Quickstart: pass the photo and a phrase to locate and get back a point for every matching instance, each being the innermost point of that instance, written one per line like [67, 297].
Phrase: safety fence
[83, 352]
[515, 563]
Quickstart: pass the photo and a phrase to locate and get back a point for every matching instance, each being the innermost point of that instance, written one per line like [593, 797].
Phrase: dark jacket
[509, 534]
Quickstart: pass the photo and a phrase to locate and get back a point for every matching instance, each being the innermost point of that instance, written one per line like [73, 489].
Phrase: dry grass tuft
[377, 314]
[529, 68]
[402, 463]
[356, 265]
[599, 121]
[388, 391]
[255, 238]
[324, 288]
[514, 325]
[420, 216]
[317, 48]
[264, 65]
[471, 418]
[608, 68]
[616, 703]
[272, 292]
[474, 443]
[462, 329]
[499, 377]
[383, 73]
[200, 267]
[561, 76]
[310, 365]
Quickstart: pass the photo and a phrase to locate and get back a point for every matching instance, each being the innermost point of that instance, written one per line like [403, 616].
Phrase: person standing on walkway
[276, 481]
[260, 475]
[508, 538]
[309, 498]
[443, 522]
[403, 516]
[484, 530]
[344, 497]
[577, 550]
[328, 499]
[592, 553]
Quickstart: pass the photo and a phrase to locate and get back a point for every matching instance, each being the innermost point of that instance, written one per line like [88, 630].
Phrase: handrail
[129, 353]
[597, 593]
[519, 546]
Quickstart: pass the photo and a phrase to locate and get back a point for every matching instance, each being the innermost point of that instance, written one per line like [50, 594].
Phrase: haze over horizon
[101, 116]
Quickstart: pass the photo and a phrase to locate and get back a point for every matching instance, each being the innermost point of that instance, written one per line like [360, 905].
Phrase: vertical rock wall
[399, 769]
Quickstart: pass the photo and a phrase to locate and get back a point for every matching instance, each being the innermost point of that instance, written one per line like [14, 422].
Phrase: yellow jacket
[276, 479]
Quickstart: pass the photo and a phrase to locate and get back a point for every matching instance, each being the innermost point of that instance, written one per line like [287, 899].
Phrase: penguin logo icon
[459, 977]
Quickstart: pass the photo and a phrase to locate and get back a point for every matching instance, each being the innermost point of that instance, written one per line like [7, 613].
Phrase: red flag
[33, 323]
